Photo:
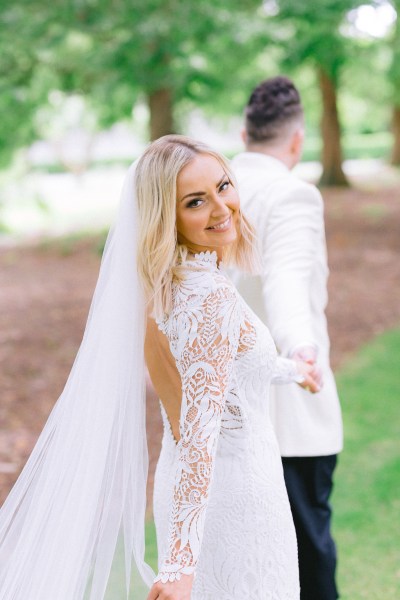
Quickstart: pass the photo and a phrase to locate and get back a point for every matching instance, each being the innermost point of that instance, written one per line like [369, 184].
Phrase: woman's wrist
[173, 573]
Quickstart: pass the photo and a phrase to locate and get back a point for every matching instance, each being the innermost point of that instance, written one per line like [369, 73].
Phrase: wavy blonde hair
[159, 253]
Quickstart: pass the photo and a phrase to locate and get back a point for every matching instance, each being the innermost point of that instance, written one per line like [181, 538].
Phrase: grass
[151, 545]
[367, 492]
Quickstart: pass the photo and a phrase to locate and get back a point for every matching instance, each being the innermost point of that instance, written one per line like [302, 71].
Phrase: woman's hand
[172, 590]
[312, 376]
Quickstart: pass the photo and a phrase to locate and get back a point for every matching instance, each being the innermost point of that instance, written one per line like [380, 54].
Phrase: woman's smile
[221, 227]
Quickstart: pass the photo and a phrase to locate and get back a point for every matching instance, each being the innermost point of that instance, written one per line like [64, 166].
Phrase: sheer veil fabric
[84, 484]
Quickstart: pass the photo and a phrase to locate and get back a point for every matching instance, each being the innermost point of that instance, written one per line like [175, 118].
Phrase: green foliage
[18, 92]
[209, 54]
[313, 33]
[394, 71]
[191, 48]
[113, 54]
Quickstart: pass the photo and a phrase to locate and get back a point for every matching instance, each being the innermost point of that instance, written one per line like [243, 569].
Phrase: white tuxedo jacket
[290, 296]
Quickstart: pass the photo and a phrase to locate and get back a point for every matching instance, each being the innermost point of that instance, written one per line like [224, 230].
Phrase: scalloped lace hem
[173, 573]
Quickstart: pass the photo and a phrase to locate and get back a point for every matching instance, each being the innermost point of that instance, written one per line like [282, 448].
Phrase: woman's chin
[211, 242]
[223, 242]
[221, 239]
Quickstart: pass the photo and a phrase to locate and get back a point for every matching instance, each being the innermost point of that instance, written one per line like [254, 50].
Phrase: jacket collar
[258, 160]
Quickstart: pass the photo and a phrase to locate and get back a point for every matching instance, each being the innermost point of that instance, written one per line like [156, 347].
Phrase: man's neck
[274, 151]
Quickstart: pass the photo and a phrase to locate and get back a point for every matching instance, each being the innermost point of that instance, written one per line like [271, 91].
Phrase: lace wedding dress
[220, 502]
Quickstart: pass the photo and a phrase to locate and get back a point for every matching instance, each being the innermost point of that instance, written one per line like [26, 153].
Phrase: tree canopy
[170, 54]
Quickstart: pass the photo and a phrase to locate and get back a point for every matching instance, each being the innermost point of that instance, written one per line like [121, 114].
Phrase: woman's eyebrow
[193, 194]
[221, 180]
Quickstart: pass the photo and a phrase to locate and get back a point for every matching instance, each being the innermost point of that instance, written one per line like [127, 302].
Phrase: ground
[46, 290]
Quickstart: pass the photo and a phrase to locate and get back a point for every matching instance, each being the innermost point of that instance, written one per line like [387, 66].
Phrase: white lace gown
[220, 503]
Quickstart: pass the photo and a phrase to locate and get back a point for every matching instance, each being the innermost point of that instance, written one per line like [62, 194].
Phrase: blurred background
[85, 84]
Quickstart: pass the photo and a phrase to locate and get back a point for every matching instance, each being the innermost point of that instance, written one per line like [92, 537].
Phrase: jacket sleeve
[206, 345]
[289, 244]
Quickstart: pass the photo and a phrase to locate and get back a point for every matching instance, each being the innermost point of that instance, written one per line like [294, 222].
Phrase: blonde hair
[159, 253]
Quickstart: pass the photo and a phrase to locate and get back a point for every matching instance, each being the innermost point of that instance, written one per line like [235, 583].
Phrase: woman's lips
[224, 226]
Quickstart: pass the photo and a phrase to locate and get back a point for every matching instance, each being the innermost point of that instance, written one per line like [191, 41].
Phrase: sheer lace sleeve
[204, 340]
[286, 372]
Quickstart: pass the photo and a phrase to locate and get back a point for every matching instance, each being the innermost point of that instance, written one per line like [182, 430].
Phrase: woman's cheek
[196, 224]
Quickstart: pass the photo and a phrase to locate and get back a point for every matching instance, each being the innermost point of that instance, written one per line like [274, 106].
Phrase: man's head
[274, 122]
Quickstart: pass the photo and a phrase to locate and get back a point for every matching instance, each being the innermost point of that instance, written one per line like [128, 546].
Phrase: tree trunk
[396, 132]
[161, 117]
[332, 158]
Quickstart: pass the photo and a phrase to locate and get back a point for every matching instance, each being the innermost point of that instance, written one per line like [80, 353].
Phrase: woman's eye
[224, 185]
[194, 203]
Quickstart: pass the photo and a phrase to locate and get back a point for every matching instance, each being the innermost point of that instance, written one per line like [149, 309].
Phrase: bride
[224, 527]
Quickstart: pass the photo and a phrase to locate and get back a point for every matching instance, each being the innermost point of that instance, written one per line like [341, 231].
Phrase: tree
[313, 34]
[114, 53]
[23, 83]
[395, 81]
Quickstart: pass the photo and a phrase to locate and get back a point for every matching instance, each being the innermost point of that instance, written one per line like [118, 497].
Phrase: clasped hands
[306, 359]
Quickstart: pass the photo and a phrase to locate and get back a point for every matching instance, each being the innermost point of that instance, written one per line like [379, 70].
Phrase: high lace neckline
[209, 257]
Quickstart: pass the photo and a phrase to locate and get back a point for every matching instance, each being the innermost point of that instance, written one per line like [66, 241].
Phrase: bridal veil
[83, 489]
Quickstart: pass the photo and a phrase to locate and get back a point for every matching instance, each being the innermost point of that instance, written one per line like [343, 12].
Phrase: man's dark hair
[273, 104]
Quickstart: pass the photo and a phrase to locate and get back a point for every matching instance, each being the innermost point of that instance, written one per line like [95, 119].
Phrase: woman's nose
[219, 207]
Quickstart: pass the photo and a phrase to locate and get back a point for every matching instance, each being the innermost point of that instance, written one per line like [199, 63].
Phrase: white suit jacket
[290, 296]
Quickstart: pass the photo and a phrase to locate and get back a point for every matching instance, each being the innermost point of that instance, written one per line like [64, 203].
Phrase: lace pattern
[205, 339]
[286, 371]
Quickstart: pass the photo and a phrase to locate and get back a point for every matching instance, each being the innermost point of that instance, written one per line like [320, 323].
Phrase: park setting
[85, 86]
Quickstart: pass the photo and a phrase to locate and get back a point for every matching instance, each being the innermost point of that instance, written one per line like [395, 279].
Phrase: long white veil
[84, 485]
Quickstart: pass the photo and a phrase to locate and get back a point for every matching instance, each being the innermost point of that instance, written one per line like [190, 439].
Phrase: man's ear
[243, 135]
[296, 145]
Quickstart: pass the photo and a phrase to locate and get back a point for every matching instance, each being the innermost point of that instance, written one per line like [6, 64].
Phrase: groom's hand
[306, 354]
[310, 376]
[313, 376]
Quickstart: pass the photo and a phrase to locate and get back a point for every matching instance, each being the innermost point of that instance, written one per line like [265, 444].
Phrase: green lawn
[367, 491]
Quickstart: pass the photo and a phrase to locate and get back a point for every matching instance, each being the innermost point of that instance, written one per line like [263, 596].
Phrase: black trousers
[309, 485]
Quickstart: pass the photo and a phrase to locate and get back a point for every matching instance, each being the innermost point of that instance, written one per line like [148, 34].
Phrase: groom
[290, 296]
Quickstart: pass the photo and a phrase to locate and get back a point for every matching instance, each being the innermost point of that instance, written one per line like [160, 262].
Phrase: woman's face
[207, 210]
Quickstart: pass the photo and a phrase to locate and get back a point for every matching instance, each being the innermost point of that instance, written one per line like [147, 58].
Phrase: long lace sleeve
[204, 341]
[286, 372]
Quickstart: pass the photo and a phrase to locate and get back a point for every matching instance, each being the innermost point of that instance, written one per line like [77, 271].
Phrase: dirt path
[45, 293]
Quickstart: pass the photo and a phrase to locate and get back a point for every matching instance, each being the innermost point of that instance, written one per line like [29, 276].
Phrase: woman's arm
[206, 342]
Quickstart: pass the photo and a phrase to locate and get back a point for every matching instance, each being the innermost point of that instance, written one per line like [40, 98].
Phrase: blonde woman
[224, 527]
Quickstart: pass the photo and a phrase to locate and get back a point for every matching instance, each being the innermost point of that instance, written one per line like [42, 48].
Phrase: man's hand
[307, 354]
[172, 590]
[313, 377]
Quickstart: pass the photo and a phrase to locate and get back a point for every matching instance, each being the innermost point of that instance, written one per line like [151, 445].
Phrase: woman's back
[163, 374]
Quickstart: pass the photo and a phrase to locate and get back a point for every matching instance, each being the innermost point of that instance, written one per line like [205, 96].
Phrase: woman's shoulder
[196, 284]
[200, 288]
